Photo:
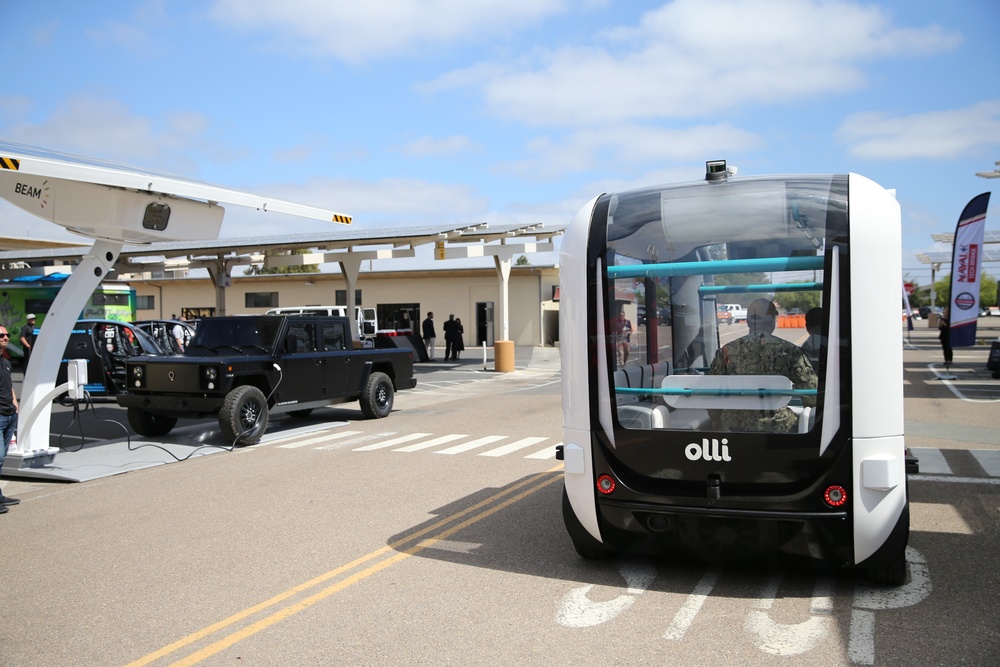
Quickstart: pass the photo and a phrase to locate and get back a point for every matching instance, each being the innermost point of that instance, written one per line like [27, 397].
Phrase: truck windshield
[245, 334]
[675, 257]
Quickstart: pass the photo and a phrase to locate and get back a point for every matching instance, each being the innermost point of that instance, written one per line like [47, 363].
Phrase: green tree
[801, 300]
[987, 290]
[742, 298]
[255, 270]
[522, 261]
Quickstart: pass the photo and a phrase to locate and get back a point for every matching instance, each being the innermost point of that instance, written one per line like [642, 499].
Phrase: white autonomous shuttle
[732, 442]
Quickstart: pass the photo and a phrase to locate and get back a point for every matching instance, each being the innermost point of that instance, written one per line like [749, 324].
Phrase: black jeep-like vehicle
[242, 369]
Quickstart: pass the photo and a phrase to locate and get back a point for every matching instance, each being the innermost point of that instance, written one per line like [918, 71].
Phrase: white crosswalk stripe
[409, 437]
[326, 437]
[513, 447]
[989, 459]
[478, 442]
[931, 461]
[434, 442]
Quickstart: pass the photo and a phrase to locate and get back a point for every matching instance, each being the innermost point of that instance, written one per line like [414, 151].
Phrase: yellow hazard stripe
[9, 163]
[346, 219]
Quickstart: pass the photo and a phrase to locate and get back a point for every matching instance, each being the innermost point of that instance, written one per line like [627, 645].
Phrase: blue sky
[406, 112]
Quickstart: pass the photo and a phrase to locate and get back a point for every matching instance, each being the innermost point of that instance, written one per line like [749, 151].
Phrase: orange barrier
[791, 321]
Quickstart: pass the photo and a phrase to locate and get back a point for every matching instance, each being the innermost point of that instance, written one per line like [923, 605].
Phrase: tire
[893, 574]
[148, 424]
[583, 542]
[243, 417]
[300, 414]
[376, 399]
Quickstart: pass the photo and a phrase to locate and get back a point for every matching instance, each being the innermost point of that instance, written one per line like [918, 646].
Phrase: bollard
[503, 356]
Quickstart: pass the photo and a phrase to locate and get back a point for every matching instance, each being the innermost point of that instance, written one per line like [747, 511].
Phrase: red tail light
[835, 496]
[606, 484]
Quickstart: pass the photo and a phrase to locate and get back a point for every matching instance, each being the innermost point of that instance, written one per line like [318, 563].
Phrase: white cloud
[95, 126]
[935, 134]
[431, 146]
[691, 57]
[362, 31]
[588, 149]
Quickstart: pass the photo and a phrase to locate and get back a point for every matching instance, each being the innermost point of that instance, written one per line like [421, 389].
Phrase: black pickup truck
[242, 369]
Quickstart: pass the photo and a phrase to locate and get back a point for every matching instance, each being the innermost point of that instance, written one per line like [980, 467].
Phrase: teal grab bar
[716, 266]
[776, 287]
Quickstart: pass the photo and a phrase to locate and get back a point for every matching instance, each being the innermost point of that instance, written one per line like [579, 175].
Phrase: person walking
[429, 335]
[27, 336]
[8, 411]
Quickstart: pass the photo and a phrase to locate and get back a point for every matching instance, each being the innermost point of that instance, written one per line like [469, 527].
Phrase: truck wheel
[148, 424]
[243, 417]
[376, 399]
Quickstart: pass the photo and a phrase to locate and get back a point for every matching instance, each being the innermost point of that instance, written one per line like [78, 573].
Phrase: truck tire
[148, 424]
[243, 417]
[376, 399]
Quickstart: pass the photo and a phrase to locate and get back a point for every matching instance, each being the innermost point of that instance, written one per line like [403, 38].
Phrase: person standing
[459, 344]
[449, 338]
[8, 411]
[429, 335]
[28, 337]
[944, 335]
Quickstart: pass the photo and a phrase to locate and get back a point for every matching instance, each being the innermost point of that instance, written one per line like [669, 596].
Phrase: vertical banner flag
[965, 269]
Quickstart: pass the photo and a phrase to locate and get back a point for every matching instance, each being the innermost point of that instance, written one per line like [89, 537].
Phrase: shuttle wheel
[890, 575]
[584, 543]
[148, 424]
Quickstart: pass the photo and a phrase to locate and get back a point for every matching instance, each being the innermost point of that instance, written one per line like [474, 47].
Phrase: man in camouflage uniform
[762, 353]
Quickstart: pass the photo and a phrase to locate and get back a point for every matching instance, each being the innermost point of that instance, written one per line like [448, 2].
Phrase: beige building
[402, 299]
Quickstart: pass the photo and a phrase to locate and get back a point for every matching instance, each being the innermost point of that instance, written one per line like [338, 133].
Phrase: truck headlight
[137, 372]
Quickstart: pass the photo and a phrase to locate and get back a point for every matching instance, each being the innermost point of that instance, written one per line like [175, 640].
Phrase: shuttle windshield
[721, 302]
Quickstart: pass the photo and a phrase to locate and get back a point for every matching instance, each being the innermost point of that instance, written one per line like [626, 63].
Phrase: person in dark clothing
[450, 332]
[459, 345]
[8, 411]
[27, 337]
[429, 335]
[944, 335]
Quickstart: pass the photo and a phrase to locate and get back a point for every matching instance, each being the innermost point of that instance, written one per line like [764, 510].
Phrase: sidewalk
[525, 357]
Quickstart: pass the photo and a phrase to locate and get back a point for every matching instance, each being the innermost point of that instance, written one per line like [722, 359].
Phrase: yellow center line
[345, 583]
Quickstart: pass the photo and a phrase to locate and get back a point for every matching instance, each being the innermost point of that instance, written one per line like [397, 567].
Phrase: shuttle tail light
[835, 496]
[606, 484]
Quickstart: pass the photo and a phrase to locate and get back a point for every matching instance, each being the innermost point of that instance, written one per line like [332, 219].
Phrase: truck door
[343, 369]
[303, 365]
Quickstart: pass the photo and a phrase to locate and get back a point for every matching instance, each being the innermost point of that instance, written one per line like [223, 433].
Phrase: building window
[402, 317]
[340, 297]
[147, 302]
[261, 300]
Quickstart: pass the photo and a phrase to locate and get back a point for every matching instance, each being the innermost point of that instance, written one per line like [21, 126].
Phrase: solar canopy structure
[112, 204]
